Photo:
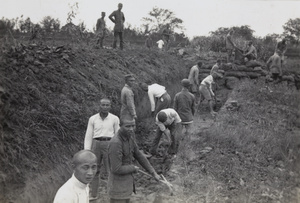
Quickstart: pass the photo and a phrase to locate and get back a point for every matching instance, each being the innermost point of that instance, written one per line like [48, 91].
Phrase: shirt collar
[77, 183]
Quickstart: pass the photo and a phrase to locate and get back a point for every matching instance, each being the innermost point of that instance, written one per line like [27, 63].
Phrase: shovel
[164, 181]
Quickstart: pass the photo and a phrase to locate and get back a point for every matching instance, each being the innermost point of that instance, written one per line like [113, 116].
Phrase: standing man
[274, 65]
[149, 42]
[118, 18]
[194, 77]
[206, 90]
[166, 34]
[84, 164]
[280, 49]
[184, 105]
[229, 45]
[122, 151]
[158, 96]
[251, 52]
[168, 122]
[101, 29]
[127, 99]
[101, 128]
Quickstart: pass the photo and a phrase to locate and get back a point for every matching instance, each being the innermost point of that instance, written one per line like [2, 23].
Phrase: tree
[25, 25]
[292, 30]
[159, 18]
[244, 31]
[50, 24]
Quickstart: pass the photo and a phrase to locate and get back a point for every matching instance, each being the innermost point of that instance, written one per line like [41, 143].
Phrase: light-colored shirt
[252, 50]
[98, 127]
[194, 75]
[155, 91]
[274, 63]
[73, 191]
[127, 102]
[215, 68]
[172, 116]
[208, 82]
[160, 44]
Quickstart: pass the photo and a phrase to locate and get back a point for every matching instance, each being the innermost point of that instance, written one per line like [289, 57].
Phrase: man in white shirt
[168, 122]
[101, 128]
[160, 43]
[76, 189]
[206, 90]
[158, 96]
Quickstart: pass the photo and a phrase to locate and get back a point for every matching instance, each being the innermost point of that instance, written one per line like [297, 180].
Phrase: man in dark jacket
[121, 151]
[118, 18]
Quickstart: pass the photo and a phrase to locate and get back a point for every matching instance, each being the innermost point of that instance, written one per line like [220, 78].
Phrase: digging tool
[164, 181]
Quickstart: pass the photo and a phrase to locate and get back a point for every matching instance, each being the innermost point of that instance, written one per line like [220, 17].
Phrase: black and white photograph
[150, 101]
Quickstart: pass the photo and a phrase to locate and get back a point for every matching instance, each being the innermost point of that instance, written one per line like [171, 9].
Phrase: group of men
[110, 142]
[274, 63]
[118, 18]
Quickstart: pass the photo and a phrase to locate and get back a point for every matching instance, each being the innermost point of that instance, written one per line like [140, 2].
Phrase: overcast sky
[199, 16]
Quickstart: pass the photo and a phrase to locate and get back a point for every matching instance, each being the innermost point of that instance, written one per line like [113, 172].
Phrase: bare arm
[88, 140]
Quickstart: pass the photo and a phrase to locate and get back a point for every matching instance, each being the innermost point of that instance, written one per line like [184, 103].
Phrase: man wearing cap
[117, 17]
[184, 105]
[84, 164]
[206, 90]
[122, 151]
[127, 99]
[194, 77]
[168, 122]
[101, 128]
[101, 29]
[158, 96]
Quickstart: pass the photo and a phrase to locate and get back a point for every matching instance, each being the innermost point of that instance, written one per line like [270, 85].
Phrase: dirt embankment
[48, 94]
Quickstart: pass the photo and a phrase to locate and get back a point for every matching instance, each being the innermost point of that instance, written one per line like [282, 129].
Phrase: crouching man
[121, 152]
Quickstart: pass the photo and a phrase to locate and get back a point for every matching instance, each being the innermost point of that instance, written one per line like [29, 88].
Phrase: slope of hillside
[48, 94]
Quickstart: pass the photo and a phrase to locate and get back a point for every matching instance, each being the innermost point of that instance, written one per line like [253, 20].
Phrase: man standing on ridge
[101, 128]
[101, 29]
[127, 99]
[118, 18]
[158, 96]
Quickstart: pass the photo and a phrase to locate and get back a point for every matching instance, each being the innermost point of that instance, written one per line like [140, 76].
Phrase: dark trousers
[174, 133]
[100, 40]
[116, 34]
[119, 200]
[163, 102]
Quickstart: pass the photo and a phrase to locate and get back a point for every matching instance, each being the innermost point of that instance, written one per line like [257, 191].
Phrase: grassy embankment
[253, 153]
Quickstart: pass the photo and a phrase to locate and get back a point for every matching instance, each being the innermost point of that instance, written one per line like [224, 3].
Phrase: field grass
[255, 154]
